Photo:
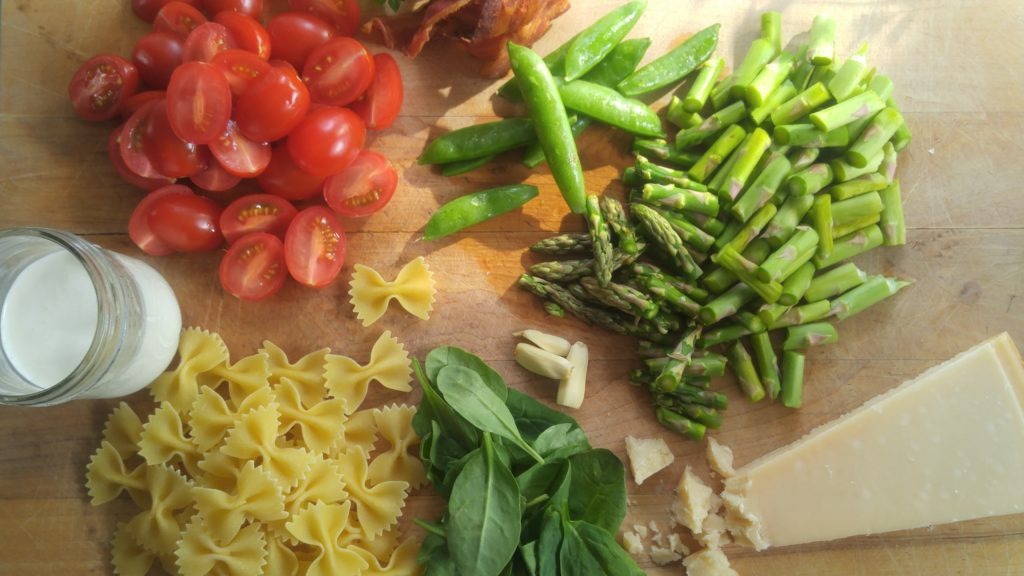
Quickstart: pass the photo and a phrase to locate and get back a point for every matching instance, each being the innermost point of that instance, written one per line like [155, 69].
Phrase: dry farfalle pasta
[389, 365]
[413, 288]
[268, 475]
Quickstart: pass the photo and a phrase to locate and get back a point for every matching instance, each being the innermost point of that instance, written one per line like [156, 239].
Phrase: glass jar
[78, 321]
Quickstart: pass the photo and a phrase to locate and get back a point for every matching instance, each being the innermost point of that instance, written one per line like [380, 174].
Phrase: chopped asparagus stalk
[753, 227]
[689, 233]
[695, 292]
[851, 245]
[681, 424]
[807, 136]
[834, 282]
[570, 243]
[821, 219]
[848, 77]
[699, 91]
[802, 159]
[760, 53]
[871, 292]
[712, 125]
[743, 367]
[861, 185]
[768, 79]
[751, 322]
[722, 335]
[726, 304]
[621, 297]
[845, 172]
[615, 216]
[792, 378]
[678, 198]
[813, 334]
[889, 162]
[782, 226]
[894, 228]
[861, 106]
[800, 105]
[720, 279]
[805, 314]
[771, 29]
[778, 96]
[767, 364]
[789, 257]
[749, 153]
[601, 239]
[668, 295]
[795, 287]
[822, 45]
[661, 232]
[853, 226]
[719, 150]
[671, 376]
[658, 148]
[651, 172]
[810, 180]
[746, 271]
[761, 191]
[879, 131]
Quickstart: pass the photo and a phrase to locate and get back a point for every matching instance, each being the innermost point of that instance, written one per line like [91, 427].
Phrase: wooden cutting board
[957, 67]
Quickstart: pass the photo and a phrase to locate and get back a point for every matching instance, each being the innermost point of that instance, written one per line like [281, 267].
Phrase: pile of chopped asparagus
[742, 227]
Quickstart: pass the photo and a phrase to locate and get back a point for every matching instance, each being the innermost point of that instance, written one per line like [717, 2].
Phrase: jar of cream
[78, 321]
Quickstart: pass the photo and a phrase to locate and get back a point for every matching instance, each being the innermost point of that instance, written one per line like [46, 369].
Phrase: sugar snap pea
[619, 63]
[463, 166]
[608, 106]
[551, 123]
[479, 140]
[673, 65]
[474, 208]
[597, 41]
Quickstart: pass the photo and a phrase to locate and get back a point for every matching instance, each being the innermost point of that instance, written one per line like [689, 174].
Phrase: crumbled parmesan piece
[640, 530]
[654, 527]
[710, 562]
[743, 525]
[632, 543]
[693, 501]
[720, 458]
[664, 556]
[659, 538]
[675, 544]
[716, 503]
[647, 456]
[713, 533]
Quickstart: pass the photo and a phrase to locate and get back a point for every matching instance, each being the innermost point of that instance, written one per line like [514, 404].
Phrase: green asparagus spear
[821, 219]
[671, 376]
[681, 424]
[690, 234]
[746, 271]
[658, 148]
[554, 309]
[678, 198]
[661, 232]
[800, 105]
[768, 79]
[653, 173]
[871, 292]
[719, 150]
[762, 189]
[878, 132]
[894, 228]
[807, 136]
[753, 227]
[845, 172]
[810, 180]
[889, 162]
[721, 119]
[786, 219]
[848, 77]
[726, 304]
[860, 185]
[834, 282]
[707, 364]
[805, 314]
[856, 208]
[616, 218]
[601, 239]
[701, 87]
[759, 54]
[802, 158]
[749, 153]
[720, 279]
[789, 257]
[778, 96]
[743, 367]
[620, 297]
[822, 45]
[792, 378]
[771, 29]
[751, 322]
[722, 334]
[813, 334]
[882, 85]
[646, 268]
[901, 138]
[860, 106]
[668, 295]
[851, 245]
[795, 287]
[767, 364]
[569, 243]
[854, 225]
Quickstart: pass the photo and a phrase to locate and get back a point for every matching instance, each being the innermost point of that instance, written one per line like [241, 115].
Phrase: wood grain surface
[959, 71]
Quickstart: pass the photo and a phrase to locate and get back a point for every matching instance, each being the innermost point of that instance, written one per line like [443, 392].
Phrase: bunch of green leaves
[526, 492]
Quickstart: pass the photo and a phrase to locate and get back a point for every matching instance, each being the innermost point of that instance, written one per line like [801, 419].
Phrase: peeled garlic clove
[542, 362]
[573, 386]
[547, 342]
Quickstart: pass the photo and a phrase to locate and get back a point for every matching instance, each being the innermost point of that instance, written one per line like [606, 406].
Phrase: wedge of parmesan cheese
[693, 501]
[647, 456]
[720, 458]
[941, 448]
[708, 562]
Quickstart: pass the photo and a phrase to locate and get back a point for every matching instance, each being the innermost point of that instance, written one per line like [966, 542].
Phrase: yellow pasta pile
[263, 466]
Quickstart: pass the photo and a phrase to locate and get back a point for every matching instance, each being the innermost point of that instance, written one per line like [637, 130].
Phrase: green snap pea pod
[555, 61]
[699, 91]
[461, 167]
[598, 40]
[474, 208]
[533, 154]
[608, 106]
[486, 139]
[674, 65]
[619, 63]
[551, 122]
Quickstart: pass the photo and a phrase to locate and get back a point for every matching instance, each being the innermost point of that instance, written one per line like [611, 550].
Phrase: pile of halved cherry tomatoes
[214, 96]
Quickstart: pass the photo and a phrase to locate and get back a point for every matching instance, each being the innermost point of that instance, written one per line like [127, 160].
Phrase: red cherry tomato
[198, 102]
[133, 144]
[381, 103]
[178, 18]
[138, 226]
[240, 68]
[342, 14]
[365, 187]
[122, 169]
[156, 55]
[249, 34]
[253, 267]
[327, 140]
[314, 247]
[272, 106]
[101, 86]
[186, 222]
[148, 9]
[256, 213]
[170, 155]
[294, 35]
[214, 178]
[251, 8]
[338, 72]
[239, 155]
[283, 178]
[130, 105]
[206, 41]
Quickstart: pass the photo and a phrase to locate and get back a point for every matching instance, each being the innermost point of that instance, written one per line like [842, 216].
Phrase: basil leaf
[465, 392]
[598, 490]
[484, 514]
[452, 356]
[532, 417]
[561, 441]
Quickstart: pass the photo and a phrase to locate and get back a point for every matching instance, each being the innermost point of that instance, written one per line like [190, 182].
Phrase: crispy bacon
[484, 27]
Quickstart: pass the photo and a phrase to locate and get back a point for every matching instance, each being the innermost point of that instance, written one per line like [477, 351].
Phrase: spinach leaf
[549, 542]
[541, 480]
[484, 514]
[476, 403]
[532, 417]
[528, 556]
[598, 491]
[561, 441]
[602, 546]
[452, 356]
[434, 555]
[575, 558]
[452, 473]
[438, 409]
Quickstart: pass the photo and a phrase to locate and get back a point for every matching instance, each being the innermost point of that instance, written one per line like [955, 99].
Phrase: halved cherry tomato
[327, 140]
[206, 41]
[138, 226]
[101, 85]
[129, 106]
[283, 178]
[253, 267]
[214, 178]
[256, 213]
[133, 145]
[239, 155]
[272, 106]
[198, 102]
[342, 14]
[148, 9]
[240, 67]
[365, 187]
[178, 18]
[381, 103]
[338, 72]
[186, 223]
[122, 169]
[170, 155]
[156, 55]
[251, 8]
[249, 34]
[294, 35]
[314, 247]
